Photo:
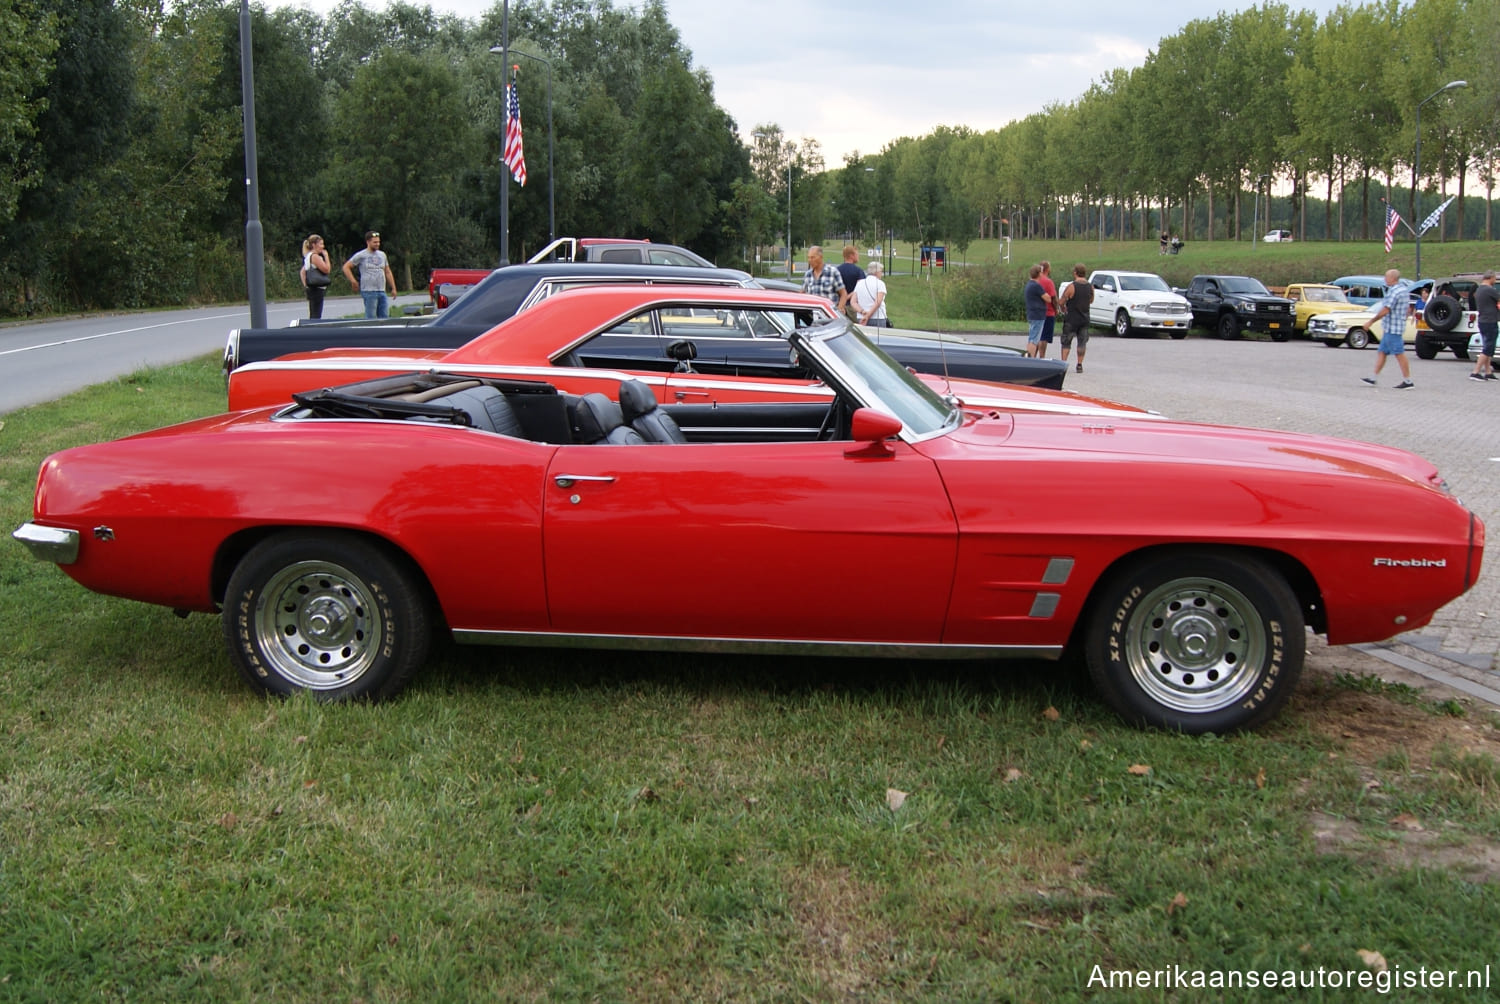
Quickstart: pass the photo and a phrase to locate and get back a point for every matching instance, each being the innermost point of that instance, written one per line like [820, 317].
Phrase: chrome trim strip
[49, 543]
[670, 643]
[1045, 605]
[1058, 570]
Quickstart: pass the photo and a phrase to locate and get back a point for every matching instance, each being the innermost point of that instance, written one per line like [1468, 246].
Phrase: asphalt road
[44, 360]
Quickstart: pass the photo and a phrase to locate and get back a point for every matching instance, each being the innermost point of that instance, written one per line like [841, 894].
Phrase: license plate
[1274, 324]
[1168, 324]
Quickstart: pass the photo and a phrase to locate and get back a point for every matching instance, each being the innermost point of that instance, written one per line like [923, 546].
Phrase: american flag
[514, 158]
[1391, 219]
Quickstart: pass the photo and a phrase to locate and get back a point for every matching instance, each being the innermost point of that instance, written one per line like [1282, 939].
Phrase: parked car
[1449, 317]
[689, 343]
[1310, 298]
[1231, 304]
[1277, 237]
[620, 251]
[1131, 302]
[510, 512]
[518, 288]
[1363, 290]
[1357, 328]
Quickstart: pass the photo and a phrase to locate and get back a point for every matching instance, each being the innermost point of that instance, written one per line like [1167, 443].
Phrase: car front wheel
[1209, 643]
[1122, 324]
[325, 612]
[1358, 338]
[1229, 327]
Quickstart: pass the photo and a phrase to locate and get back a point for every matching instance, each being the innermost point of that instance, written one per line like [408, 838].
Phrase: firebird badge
[1411, 563]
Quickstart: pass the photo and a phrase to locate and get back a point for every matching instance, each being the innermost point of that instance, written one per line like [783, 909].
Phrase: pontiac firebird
[1190, 565]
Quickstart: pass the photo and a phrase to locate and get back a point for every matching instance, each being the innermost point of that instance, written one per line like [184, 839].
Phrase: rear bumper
[49, 543]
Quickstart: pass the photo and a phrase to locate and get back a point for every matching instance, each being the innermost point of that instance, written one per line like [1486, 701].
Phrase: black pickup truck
[1232, 304]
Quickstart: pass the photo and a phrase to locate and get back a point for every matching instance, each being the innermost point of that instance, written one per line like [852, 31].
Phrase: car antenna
[942, 342]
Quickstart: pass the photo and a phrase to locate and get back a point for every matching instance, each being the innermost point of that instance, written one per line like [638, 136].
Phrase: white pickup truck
[1127, 302]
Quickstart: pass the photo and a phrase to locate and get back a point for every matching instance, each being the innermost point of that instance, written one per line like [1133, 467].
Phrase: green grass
[527, 825]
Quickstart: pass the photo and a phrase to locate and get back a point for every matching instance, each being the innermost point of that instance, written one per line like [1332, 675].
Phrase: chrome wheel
[1196, 645]
[1358, 338]
[1122, 324]
[329, 612]
[319, 624]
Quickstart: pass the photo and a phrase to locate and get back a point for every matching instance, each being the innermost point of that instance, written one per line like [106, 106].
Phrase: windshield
[846, 359]
[1241, 284]
[1151, 283]
[1324, 295]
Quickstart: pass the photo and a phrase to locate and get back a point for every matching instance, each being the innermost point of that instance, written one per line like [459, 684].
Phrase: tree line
[1222, 114]
[122, 176]
[121, 123]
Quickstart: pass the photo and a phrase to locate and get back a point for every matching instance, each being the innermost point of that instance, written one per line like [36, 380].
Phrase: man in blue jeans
[375, 276]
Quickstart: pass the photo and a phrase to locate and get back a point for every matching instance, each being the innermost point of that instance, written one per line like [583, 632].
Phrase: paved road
[45, 360]
[1306, 387]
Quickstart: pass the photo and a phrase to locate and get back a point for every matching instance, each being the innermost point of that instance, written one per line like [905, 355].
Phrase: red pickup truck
[621, 250]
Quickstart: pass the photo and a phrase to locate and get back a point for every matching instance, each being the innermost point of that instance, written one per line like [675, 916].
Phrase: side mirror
[682, 351]
[872, 428]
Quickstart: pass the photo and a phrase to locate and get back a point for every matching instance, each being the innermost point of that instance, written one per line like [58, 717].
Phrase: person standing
[852, 273]
[1049, 293]
[1487, 302]
[1395, 308]
[869, 298]
[375, 276]
[1036, 310]
[1076, 299]
[315, 274]
[822, 279]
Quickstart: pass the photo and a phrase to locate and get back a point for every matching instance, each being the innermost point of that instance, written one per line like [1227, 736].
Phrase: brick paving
[1304, 386]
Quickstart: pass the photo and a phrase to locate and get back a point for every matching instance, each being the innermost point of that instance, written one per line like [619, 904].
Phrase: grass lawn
[528, 825]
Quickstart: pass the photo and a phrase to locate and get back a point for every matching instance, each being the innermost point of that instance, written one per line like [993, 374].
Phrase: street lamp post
[551, 173]
[504, 114]
[1255, 214]
[1416, 166]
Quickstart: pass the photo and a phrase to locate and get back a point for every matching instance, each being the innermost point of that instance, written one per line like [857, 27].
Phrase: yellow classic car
[1310, 298]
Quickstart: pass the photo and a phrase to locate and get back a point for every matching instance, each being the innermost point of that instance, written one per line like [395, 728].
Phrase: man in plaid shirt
[1395, 309]
[822, 279]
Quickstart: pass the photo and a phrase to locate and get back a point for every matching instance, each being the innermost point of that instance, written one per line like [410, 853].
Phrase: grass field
[533, 825]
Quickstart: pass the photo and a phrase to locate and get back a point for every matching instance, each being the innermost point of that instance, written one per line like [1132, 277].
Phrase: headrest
[595, 416]
[636, 399]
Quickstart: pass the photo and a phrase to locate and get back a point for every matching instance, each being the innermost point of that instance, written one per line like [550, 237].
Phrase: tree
[27, 41]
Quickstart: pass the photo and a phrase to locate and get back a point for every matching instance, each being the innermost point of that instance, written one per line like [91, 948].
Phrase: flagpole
[504, 122]
[1416, 167]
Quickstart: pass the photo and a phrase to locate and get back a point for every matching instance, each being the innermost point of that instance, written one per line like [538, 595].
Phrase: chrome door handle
[569, 480]
[682, 394]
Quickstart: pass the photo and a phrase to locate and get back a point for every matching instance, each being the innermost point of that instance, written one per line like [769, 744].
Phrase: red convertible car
[508, 512]
[696, 344]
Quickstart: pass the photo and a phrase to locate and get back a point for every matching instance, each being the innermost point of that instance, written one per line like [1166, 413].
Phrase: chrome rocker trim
[672, 643]
[49, 543]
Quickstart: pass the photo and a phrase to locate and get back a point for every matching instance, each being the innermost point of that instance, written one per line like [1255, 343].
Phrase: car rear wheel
[1426, 348]
[1358, 338]
[1229, 326]
[1122, 323]
[325, 612]
[1201, 643]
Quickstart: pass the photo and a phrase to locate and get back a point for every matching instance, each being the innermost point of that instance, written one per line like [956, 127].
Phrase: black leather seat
[487, 409]
[597, 419]
[638, 405]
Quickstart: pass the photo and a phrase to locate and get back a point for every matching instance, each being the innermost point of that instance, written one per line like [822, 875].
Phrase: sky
[856, 75]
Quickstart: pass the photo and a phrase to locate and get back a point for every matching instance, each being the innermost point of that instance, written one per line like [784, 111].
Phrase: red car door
[754, 540]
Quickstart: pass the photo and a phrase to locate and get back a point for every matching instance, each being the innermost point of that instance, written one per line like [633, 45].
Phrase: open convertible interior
[538, 411]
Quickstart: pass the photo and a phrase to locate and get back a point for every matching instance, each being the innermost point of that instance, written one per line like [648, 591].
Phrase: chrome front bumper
[49, 543]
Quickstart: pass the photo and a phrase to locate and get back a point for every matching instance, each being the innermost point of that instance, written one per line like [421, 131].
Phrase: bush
[982, 294]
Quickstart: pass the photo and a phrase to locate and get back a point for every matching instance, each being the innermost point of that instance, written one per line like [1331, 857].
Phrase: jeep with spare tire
[1450, 317]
